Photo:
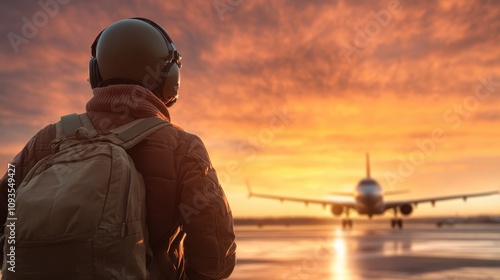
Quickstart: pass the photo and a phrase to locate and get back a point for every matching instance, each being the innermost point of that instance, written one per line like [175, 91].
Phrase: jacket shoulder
[40, 144]
[38, 147]
[175, 132]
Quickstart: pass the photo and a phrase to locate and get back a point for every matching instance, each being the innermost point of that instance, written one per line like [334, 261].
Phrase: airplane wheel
[346, 223]
[397, 223]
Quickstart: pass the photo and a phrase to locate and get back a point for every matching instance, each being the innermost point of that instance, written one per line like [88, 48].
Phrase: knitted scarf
[141, 103]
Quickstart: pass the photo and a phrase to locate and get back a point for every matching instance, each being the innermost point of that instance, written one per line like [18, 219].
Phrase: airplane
[369, 200]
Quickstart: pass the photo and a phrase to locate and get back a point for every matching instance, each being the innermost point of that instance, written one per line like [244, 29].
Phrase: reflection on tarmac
[368, 252]
[339, 265]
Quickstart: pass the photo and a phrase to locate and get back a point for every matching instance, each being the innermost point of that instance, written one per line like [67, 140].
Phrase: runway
[368, 251]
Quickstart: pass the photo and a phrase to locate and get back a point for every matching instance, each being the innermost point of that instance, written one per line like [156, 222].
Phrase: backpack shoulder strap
[70, 123]
[72, 127]
[134, 132]
[137, 128]
[126, 136]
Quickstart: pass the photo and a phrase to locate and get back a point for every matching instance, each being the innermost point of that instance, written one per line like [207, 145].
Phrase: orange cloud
[273, 89]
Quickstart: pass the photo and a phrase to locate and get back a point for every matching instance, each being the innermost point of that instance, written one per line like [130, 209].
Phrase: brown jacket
[183, 196]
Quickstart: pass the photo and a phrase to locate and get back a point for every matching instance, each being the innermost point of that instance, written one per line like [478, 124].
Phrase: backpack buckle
[83, 133]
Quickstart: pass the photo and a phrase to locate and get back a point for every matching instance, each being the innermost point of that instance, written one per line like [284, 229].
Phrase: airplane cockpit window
[369, 186]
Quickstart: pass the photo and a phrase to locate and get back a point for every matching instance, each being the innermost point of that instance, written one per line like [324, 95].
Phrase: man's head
[136, 51]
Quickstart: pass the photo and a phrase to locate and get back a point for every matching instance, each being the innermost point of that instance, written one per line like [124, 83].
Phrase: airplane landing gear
[396, 222]
[346, 223]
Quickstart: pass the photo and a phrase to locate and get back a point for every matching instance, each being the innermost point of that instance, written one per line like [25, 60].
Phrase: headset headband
[175, 55]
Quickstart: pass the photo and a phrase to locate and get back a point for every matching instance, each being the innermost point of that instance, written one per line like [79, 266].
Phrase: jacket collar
[139, 101]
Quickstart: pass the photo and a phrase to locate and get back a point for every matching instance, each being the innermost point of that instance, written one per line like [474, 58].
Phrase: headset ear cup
[94, 75]
[172, 81]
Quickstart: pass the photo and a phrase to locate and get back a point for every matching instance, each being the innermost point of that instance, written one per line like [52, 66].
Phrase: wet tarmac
[368, 251]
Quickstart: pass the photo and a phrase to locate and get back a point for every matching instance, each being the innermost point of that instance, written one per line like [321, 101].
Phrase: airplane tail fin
[248, 188]
[367, 165]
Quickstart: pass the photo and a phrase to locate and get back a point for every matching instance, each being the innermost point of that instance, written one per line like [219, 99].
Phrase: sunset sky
[291, 94]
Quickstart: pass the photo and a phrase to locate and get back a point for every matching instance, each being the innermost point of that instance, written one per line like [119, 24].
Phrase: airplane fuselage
[368, 198]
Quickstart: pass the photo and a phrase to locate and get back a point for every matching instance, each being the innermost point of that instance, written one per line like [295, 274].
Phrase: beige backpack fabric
[80, 213]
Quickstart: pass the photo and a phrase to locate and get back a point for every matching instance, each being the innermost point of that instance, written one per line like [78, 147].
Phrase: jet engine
[405, 209]
[337, 210]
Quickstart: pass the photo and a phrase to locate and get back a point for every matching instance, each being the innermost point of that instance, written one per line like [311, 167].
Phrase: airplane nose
[369, 198]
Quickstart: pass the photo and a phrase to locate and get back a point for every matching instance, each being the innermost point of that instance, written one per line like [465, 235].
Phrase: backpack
[80, 212]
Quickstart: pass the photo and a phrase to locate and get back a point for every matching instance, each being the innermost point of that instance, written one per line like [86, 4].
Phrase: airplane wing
[432, 200]
[396, 192]
[349, 194]
[306, 201]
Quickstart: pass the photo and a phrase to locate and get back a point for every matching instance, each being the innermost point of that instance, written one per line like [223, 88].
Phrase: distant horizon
[305, 221]
[364, 217]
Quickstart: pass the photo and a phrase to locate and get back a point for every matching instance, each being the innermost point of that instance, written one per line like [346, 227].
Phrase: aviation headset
[168, 83]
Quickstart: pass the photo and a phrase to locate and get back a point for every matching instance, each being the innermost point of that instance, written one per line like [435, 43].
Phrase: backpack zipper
[126, 200]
